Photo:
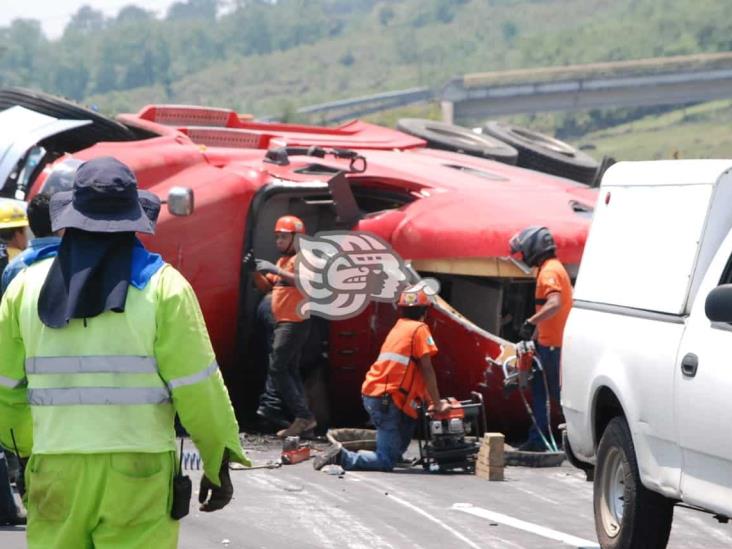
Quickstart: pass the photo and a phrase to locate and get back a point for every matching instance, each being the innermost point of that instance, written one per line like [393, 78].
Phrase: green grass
[425, 43]
[484, 35]
[701, 131]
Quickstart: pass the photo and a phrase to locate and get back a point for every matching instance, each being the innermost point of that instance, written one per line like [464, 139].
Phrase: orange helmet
[418, 295]
[289, 224]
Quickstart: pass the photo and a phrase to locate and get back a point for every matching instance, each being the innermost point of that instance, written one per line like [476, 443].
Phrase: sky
[54, 14]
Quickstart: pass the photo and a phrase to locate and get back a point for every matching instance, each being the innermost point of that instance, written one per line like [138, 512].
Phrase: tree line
[97, 54]
[262, 54]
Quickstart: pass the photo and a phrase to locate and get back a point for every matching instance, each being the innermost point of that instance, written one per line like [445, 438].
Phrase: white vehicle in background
[647, 353]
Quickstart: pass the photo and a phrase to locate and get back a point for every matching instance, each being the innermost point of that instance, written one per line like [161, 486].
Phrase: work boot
[329, 456]
[298, 427]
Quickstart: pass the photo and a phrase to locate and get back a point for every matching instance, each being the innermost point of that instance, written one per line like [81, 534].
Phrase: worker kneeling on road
[396, 384]
[553, 302]
[99, 348]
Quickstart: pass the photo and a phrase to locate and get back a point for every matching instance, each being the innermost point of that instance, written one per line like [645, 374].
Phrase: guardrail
[345, 109]
[663, 80]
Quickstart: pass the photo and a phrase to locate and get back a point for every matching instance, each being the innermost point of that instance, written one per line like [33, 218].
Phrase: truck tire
[450, 137]
[627, 515]
[546, 154]
[101, 129]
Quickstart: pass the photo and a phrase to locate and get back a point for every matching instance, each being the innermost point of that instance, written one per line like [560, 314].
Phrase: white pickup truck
[647, 353]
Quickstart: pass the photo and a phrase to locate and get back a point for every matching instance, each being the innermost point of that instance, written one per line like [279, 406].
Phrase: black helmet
[534, 243]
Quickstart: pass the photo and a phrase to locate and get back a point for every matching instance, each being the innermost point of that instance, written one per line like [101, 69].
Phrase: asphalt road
[297, 507]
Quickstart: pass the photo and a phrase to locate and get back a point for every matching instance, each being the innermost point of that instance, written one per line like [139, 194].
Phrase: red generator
[450, 441]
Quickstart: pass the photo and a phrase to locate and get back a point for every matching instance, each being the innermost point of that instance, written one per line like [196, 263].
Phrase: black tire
[641, 519]
[101, 129]
[450, 137]
[518, 458]
[546, 154]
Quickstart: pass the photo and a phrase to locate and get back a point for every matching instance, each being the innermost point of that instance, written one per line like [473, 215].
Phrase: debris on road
[333, 470]
[293, 451]
[272, 464]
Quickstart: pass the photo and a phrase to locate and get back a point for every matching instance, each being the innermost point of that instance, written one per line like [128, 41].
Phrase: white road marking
[428, 516]
[331, 525]
[535, 494]
[526, 526]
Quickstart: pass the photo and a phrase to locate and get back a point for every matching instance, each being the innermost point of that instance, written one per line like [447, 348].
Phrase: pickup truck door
[703, 381]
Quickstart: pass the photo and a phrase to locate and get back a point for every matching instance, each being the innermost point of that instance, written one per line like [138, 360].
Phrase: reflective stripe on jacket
[395, 370]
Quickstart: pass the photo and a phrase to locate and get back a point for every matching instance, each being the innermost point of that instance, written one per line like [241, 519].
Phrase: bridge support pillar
[448, 111]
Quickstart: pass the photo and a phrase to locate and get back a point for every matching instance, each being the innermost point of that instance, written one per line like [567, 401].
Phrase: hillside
[270, 57]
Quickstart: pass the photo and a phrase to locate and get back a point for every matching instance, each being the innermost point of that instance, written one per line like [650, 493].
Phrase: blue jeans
[549, 357]
[394, 430]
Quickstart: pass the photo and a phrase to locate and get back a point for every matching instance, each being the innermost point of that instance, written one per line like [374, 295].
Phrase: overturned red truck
[449, 214]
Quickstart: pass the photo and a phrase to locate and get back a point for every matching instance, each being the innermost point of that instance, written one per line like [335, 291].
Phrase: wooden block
[489, 473]
[491, 451]
[492, 459]
[493, 440]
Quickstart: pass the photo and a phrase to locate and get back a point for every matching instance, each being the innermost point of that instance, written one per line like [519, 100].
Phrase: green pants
[100, 501]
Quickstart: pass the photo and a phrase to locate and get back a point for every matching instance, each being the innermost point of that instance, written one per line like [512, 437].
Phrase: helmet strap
[291, 248]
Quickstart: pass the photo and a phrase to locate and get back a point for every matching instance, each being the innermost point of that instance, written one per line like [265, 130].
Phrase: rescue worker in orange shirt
[291, 330]
[553, 299]
[401, 378]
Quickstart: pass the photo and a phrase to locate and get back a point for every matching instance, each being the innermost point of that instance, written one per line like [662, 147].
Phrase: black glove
[249, 261]
[264, 266]
[526, 332]
[220, 495]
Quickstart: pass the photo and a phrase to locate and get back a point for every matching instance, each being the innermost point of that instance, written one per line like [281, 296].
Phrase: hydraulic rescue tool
[518, 371]
[451, 440]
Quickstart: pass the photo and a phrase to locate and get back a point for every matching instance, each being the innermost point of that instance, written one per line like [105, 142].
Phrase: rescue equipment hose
[548, 406]
[550, 443]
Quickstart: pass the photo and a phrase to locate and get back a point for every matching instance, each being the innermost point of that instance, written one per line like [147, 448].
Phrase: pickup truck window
[726, 278]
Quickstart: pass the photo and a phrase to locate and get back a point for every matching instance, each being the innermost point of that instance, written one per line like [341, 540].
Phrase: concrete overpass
[660, 81]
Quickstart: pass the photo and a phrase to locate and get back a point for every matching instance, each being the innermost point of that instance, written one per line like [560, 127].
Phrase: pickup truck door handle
[689, 365]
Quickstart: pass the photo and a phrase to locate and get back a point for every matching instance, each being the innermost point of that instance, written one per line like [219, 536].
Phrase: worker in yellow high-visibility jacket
[99, 348]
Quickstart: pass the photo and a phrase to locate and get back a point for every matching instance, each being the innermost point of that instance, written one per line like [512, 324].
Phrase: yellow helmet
[12, 214]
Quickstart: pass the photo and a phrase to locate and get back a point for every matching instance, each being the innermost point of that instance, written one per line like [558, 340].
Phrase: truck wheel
[102, 128]
[627, 515]
[450, 137]
[546, 154]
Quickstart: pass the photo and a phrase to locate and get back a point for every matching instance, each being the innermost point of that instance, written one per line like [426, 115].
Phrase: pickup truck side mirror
[180, 201]
[718, 306]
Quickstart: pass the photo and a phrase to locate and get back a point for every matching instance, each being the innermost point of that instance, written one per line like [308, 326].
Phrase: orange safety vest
[285, 297]
[395, 371]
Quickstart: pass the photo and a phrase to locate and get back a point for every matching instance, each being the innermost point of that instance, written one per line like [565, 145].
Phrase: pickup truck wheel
[627, 515]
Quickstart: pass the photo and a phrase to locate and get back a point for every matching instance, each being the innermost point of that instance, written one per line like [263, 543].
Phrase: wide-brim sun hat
[104, 199]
